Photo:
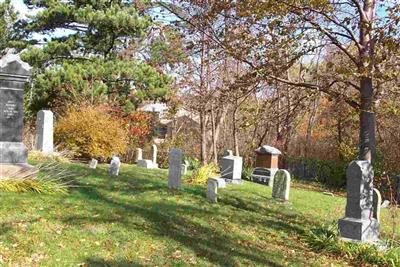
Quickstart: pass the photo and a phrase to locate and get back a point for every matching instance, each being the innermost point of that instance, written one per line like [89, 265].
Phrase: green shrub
[194, 163]
[201, 175]
[247, 172]
[90, 132]
[327, 172]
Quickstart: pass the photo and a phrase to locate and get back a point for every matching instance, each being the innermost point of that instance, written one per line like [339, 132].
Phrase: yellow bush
[90, 132]
[201, 175]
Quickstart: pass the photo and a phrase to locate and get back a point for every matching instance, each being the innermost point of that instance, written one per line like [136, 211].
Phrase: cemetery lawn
[135, 220]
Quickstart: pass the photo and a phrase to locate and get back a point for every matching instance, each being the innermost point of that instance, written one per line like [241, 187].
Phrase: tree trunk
[214, 137]
[203, 133]
[367, 116]
[367, 121]
[235, 138]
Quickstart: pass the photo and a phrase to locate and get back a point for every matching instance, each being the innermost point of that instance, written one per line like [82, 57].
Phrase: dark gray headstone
[174, 168]
[14, 74]
[359, 223]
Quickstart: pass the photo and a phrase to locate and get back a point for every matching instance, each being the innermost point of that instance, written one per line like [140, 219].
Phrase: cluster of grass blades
[38, 156]
[46, 178]
[326, 238]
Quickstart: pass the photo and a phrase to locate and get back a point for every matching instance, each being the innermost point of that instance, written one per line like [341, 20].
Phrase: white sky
[20, 7]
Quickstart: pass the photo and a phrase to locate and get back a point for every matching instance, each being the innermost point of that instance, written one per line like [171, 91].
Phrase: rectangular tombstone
[139, 154]
[14, 74]
[174, 170]
[221, 182]
[44, 131]
[114, 166]
[231, 167]
[359, 223]
[93, 164]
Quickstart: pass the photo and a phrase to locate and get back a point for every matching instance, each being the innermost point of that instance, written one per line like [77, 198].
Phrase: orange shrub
[90, 132]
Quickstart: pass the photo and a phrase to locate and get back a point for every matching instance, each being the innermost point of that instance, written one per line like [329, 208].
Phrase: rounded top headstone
[13, 65]
[268, 150]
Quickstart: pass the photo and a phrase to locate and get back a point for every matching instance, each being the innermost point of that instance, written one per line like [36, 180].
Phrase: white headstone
[114, 166]
[93, 164]
[146, 163]
[212, 190]
[184, 169]
[281, 186]
[377, 201]
[154, 154]
[221, 182]
[44, 131]
[174, 170]
[359, 223]
[139, 154]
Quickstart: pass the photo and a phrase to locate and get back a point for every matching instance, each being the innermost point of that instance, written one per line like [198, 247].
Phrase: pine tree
[82, 55]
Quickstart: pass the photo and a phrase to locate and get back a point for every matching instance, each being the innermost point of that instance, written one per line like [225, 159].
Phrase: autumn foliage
[91, 132]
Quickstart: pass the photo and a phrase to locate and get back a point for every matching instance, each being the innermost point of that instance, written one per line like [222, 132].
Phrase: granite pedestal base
[352, 229]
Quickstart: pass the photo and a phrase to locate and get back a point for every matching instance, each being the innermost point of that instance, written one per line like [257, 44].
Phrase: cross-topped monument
[14, 74]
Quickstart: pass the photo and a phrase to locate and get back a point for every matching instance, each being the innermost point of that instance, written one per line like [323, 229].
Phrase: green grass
[135, 220]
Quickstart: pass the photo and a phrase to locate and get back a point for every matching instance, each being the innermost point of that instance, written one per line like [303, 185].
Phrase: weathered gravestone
[174, 170]
[114, 166]
[377, 201]
[212, 190]
[154, 156]
[359, 223]
[231, 168]
[139, 154]
[281, 185]
[93, 164]
[44, 131]
[14, 74]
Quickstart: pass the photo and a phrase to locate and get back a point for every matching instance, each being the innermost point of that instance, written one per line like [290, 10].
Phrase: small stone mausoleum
[267, 160]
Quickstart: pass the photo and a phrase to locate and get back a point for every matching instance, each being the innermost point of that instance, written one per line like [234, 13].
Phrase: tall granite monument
[359, 223]
[14, 74]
